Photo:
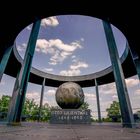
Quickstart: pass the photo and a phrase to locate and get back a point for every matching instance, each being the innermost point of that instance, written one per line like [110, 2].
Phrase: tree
[137, 116]
[85, 105]
[4, 103]
[55, 108]
[138, 112]
[45, 113]
[113, 112]
[31, 111]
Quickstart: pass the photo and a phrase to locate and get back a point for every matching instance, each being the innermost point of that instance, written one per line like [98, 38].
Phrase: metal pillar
[98, 101]
[125, 106]
[136, 59]
[4, 60]
[15, 110]
[11, 107]
[41, 99]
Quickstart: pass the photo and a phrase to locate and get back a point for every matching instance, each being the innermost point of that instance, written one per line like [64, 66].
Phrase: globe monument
[70, 96]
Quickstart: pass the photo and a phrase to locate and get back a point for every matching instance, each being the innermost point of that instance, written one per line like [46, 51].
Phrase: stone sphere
[69, 96]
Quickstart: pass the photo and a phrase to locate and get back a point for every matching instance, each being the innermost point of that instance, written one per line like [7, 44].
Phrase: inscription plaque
[70, 116]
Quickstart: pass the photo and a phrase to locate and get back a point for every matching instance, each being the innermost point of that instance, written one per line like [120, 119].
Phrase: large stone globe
[69, 96]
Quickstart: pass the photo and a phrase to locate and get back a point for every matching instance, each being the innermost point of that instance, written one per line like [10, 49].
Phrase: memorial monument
[70, 96]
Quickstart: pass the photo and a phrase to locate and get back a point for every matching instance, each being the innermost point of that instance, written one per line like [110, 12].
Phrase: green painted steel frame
[124, 101]
[4, 60]
[41, 99]
[16, 105]
[98, 101]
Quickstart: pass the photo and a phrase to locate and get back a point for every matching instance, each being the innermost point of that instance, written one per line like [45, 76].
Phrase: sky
[73, 45]
[70, 45]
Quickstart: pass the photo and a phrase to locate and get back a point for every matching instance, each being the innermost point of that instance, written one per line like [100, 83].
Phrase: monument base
[70, 116]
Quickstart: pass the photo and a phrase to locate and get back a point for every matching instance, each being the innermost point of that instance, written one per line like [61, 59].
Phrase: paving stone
[45, 131]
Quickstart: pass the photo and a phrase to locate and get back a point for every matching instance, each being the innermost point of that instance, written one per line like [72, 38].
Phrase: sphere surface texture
[69, 96]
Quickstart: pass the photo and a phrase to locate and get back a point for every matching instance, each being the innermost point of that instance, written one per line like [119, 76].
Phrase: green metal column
[136, 59]
[125, 106]
[41, 99]
[4, 60]
[98, 101]
[11, 107]
[137, 66]
[15, 110]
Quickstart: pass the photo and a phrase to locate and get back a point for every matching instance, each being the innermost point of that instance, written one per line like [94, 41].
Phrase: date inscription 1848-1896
[70, 116]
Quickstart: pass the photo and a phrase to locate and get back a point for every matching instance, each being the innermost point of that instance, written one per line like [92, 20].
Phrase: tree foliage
[137, 116]
[31, 109]
[85, 105]
[113, 112]
[4, 103]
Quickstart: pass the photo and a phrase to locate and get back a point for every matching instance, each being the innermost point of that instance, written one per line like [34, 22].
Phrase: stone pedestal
[70, 116]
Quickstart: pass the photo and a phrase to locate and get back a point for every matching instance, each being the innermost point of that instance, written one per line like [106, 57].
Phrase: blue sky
[72, 45]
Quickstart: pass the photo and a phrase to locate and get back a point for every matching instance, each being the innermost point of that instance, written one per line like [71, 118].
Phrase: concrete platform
[44, 131]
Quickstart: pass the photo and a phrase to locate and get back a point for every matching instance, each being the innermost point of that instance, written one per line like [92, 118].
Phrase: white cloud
[82, 39]
[137, 92]
[57, 43]
[64, 47]
[50, 102]
[74, 69]
[51, 92]
[105, 104]
[65, 54]
[22, 48]
[89, 96]
[70, 72]
[50, 21]
[58, 50]
[132, 82]
[75, 60]
[109, 89]
[49, 97]
[79, 65]
[42, 45]
[2, 93]
[115, 97]
[58, 57]
[24, 45]
[73, 56]
[48, 69]
[53, 63]
[2, 83]
[29, 27]
[33, 95]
